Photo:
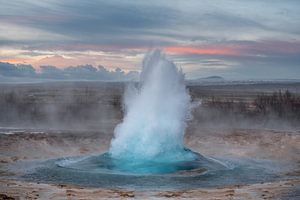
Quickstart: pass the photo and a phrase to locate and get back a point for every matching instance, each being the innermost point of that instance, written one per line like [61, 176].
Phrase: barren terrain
[278, 145]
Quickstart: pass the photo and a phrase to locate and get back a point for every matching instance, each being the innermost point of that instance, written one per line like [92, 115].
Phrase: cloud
[142, 23]
[11, 32]
[19, 70]
[242, 35]
[81, 72]
[201, 50]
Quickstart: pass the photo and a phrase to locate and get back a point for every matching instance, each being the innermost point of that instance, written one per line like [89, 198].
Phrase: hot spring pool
[103, 171]
[106, 164]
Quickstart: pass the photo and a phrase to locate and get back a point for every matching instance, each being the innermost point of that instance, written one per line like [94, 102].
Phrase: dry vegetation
[85, 106]
[90, 105]
[261, 109]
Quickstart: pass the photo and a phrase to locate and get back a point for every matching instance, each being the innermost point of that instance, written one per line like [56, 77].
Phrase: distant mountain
[214, 78]
[218, 80]
[209, 79]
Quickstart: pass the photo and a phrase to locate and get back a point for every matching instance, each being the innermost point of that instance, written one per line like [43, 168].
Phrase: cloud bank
[10, 71]
[247, 39]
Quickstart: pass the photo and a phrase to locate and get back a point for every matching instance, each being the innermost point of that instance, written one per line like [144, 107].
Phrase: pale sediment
[276, 146]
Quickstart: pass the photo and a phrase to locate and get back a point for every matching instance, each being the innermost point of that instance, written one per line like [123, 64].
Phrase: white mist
[155, 115]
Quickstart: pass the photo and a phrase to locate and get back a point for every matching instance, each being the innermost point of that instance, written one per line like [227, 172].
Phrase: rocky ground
[281, 146]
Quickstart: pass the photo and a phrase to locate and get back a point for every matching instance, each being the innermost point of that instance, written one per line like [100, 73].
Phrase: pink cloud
[208, 50]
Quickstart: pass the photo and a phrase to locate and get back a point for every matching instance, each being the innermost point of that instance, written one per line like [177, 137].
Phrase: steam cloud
[155, 114]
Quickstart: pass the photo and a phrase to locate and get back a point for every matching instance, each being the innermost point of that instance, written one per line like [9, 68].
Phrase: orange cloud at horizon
[17, 60]
[222, 50]
[55, 60]
[110, 60]
[61, 61]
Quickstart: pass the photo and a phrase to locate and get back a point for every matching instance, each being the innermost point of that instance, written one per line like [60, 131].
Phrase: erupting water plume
[155, 115]
[150, 138]
[148, 149]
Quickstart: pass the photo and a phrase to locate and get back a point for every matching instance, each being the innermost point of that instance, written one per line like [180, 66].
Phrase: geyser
[155, 115]
[149, 140]
[148, 150]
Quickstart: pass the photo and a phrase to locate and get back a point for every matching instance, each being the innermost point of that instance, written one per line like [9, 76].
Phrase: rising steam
[155, 114]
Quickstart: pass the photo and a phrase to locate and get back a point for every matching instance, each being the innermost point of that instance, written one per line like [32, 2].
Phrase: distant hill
[209, 79]
[219, 78]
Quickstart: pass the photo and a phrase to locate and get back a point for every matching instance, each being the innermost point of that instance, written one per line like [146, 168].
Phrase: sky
[234, 39]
